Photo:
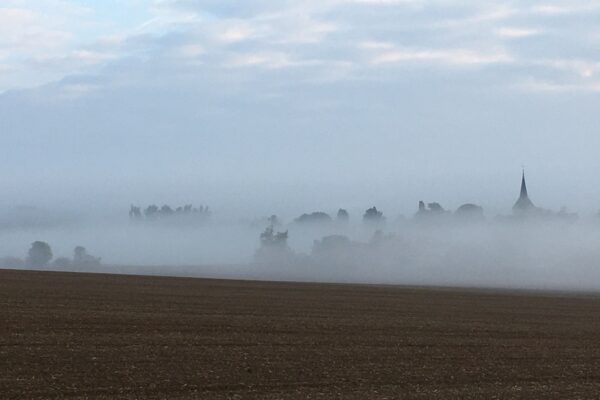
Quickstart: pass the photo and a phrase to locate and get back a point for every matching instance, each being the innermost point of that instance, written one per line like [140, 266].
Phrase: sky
[291, 106]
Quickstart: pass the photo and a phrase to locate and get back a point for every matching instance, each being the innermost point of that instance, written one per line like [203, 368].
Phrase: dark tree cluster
[83, 259]
[40, 255]
[470, 211]
[434, 212]
[328, 254]
[154, 212]
[342, 215]
[274, 220]
[271, 239]
[329, 243]
[318, 217]
[432, 209]
[372, 215]
[274, 250]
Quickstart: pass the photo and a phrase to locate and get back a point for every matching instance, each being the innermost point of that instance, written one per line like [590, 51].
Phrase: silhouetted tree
[135, 212]
[336, 251]
[274, 250]
[342, 215]
[79, 254]
[269, 238]
[331, 243]
[470, 212]
[431, 213]
[39, 254]
[154, 212]
[151, 211]
[82, 259]
[166, 210]
[436, 207]
[373, 215]
[274, 220]
[315, 217]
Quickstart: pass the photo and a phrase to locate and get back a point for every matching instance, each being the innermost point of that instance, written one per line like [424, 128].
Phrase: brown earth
[87, 336]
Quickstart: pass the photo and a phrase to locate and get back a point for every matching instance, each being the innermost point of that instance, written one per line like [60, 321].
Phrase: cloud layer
[528, 45]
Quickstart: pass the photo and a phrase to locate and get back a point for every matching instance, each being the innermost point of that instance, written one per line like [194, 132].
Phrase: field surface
[86, 336]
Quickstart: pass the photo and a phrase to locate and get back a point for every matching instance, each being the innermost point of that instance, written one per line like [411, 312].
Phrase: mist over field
[285, 108]
[437, 249]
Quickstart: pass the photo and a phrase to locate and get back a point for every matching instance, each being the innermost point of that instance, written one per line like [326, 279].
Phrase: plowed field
[89, 336]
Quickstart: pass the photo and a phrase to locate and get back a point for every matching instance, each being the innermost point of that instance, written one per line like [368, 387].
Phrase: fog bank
[529, 253]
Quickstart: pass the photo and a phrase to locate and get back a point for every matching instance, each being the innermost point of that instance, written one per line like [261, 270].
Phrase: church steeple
[523, 186]
[523, 203]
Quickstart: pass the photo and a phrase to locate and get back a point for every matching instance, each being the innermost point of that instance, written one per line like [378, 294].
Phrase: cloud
[269, 60]
[235, 33]
[541, 86]
[516, 33]
[565, 8]
[582, 68]
[218, 8]
[330, 39]
[33, 36]
[190, 50]
[24, 31]
[447, 57]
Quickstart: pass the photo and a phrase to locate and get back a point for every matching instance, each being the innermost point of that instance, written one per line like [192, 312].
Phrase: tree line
[40, 255]
[153, 211]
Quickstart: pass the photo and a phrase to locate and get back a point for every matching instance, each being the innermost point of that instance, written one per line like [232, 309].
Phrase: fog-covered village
[434, 245]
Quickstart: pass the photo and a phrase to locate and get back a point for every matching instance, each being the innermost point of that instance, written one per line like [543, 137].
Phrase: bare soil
[91, 336]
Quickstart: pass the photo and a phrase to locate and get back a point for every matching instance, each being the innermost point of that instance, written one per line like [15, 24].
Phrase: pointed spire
[523, 203]
[523, 186]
